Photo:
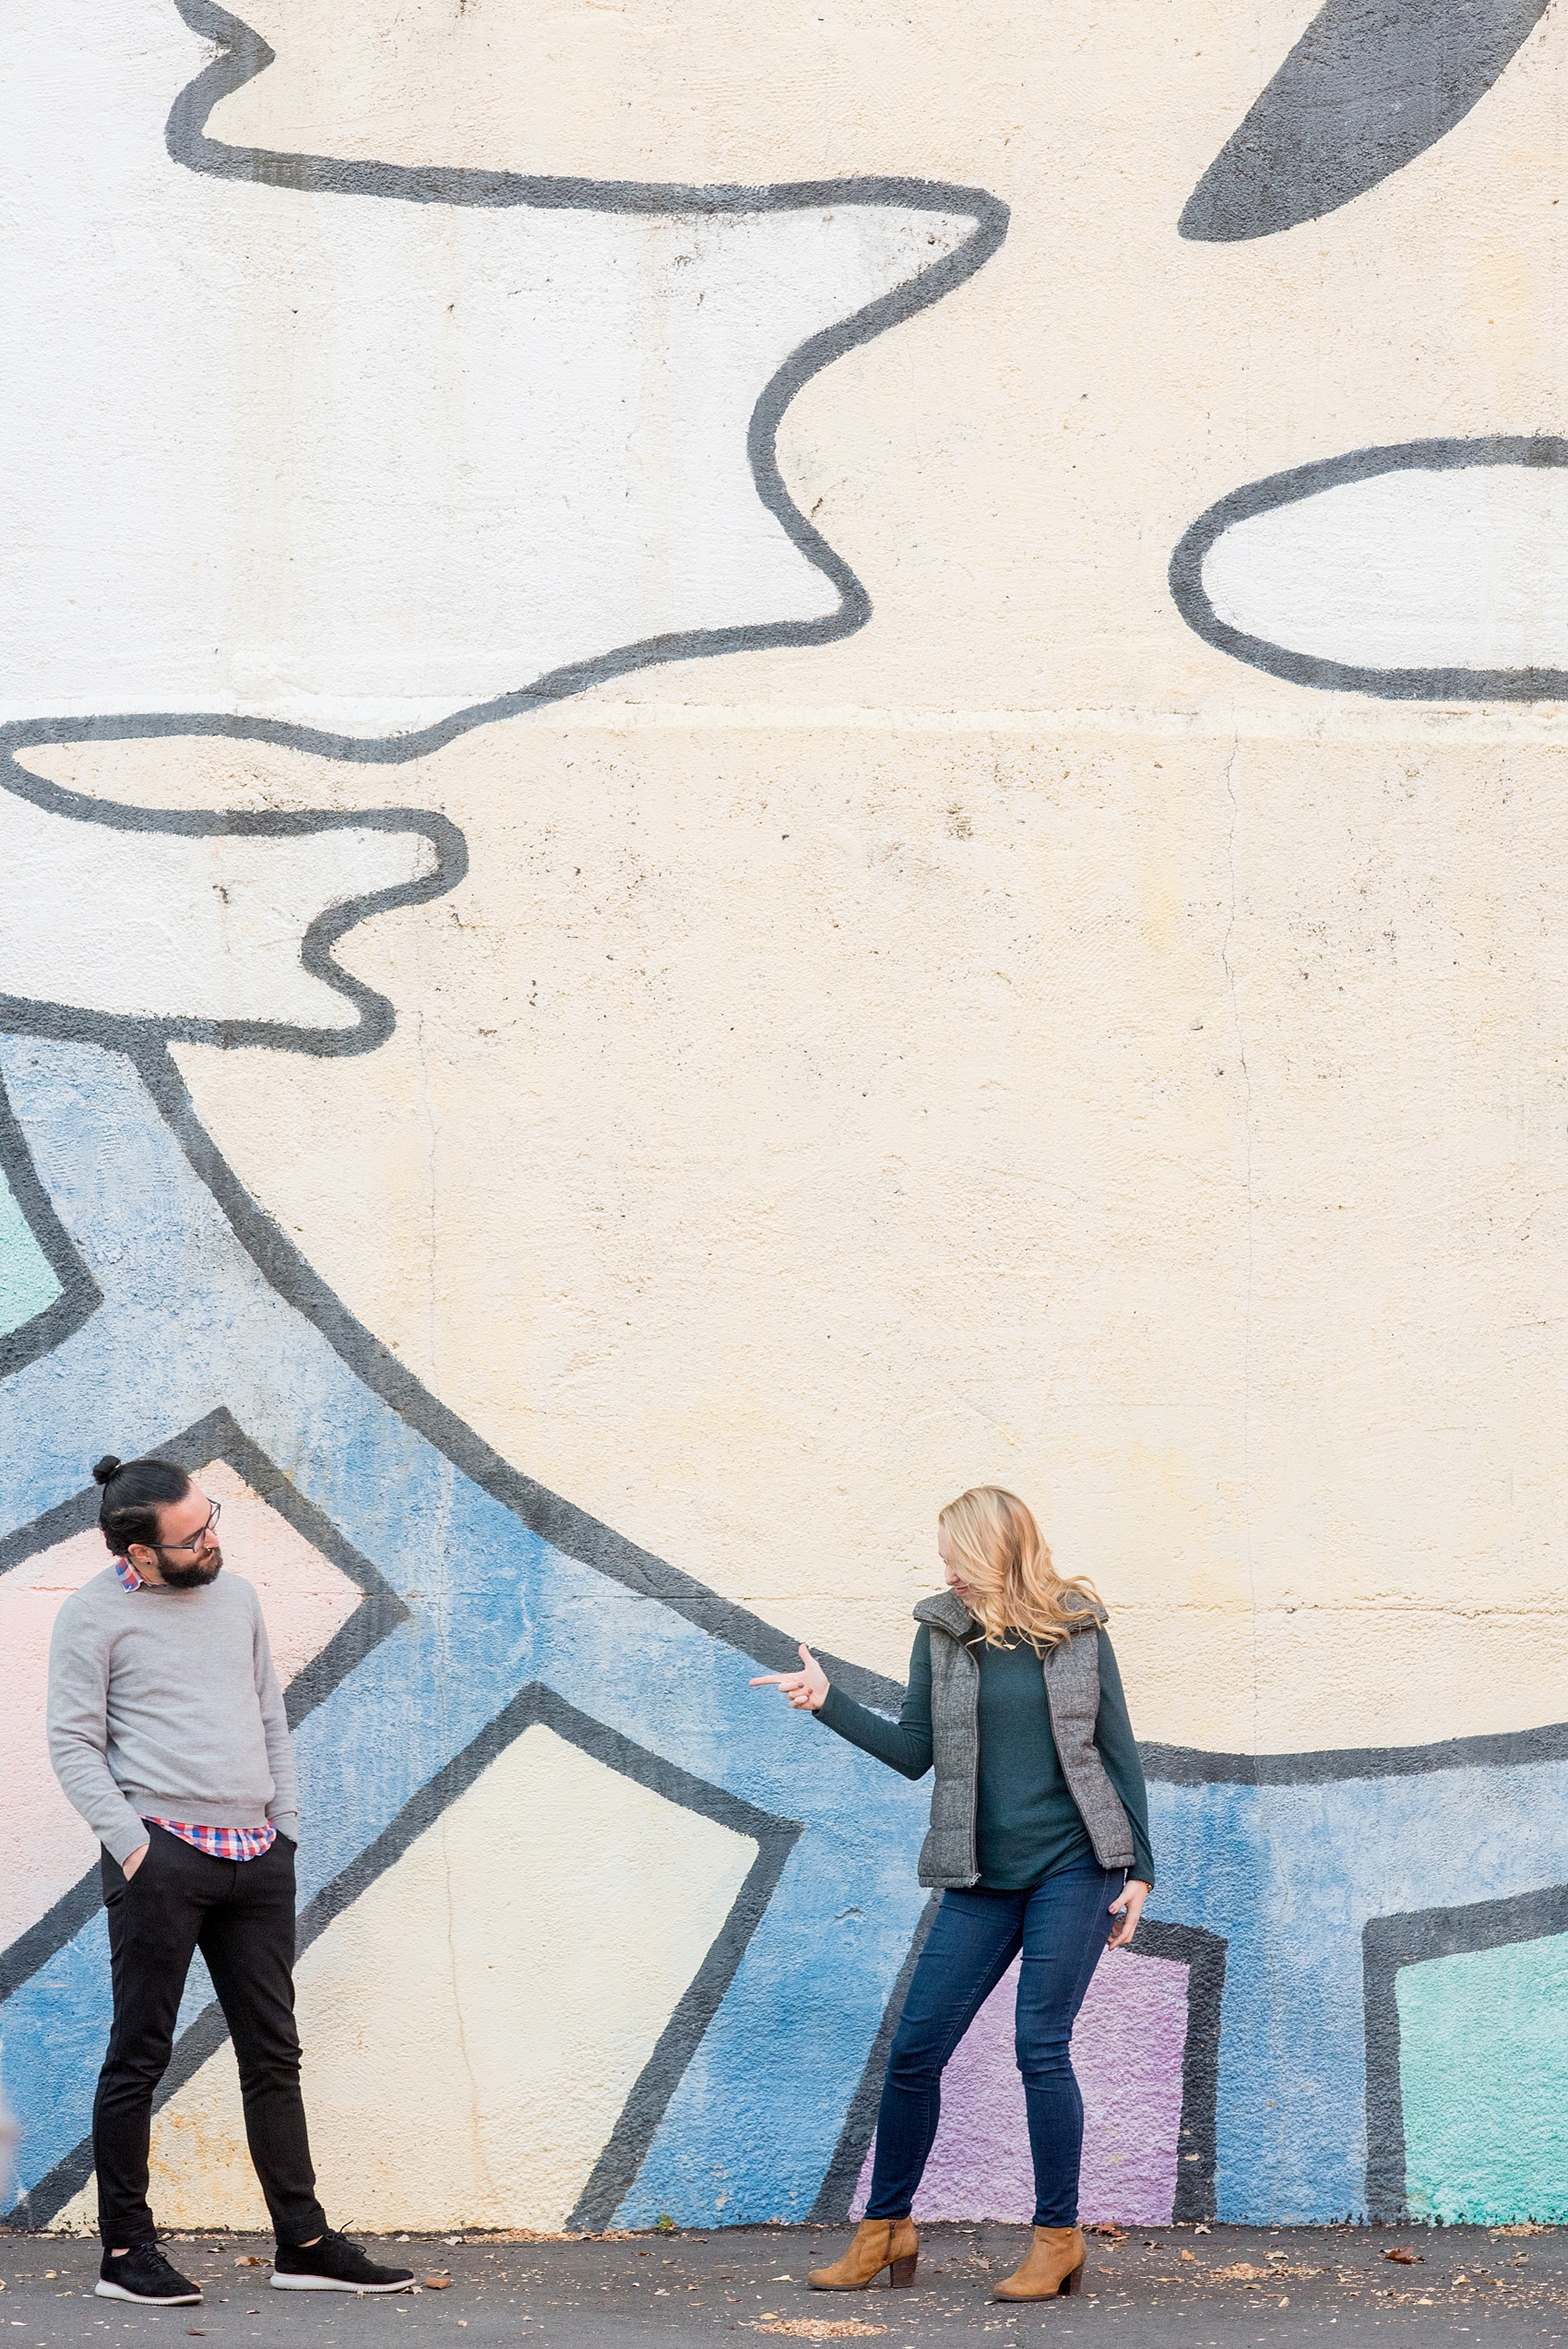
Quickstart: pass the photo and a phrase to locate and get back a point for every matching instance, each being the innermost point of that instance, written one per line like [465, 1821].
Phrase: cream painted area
[45, 1846]
[479, 1997]
[796, 1126]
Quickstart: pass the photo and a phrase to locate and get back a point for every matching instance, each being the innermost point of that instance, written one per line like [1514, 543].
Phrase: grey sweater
[165, 1703]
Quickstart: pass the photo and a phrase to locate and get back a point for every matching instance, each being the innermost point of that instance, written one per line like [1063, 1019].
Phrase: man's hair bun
[105, 1469]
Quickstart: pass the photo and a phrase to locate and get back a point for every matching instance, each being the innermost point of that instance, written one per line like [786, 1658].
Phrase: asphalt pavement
[1225, 2287]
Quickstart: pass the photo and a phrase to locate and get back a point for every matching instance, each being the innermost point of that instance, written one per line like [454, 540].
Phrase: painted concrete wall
[754, 765]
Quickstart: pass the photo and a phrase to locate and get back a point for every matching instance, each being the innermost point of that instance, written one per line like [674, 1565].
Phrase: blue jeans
[1061, 1926]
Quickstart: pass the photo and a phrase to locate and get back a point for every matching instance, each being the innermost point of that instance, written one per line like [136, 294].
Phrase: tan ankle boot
[1053, 2263]
[878, 2244]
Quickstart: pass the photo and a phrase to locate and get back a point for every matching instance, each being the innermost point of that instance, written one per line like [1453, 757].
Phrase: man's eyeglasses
[196, 1541]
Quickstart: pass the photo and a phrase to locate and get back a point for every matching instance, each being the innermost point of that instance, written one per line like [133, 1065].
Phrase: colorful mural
[582, 1174]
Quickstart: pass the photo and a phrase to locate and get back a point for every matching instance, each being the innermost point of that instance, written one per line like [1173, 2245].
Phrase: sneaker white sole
[147, 2299]
[329, 2283]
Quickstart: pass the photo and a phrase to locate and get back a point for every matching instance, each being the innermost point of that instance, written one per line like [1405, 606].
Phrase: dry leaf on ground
[438, 2282]
[821, 2328]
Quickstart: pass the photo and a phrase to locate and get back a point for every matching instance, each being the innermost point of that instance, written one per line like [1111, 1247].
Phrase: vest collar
[947, 1610]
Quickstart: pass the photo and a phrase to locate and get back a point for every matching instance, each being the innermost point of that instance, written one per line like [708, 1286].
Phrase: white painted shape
[473, 2023]
[357, 462]
[45, 1846]
[1408, 570]
[169, 925]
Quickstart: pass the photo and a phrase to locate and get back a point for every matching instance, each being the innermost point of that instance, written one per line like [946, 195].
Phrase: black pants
[240, 1915]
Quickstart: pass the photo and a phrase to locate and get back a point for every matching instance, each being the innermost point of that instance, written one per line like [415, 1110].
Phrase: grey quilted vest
[1072, 1691]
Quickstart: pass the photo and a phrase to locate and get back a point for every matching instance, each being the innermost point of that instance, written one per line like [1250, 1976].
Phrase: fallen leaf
[1284, 2301]
[1406, 2258]
[1189, 2255]
[249, 2260]
[821, 2328]
[438, 2283]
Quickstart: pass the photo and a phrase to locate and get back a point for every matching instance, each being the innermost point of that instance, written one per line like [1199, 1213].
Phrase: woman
[1038, 1813]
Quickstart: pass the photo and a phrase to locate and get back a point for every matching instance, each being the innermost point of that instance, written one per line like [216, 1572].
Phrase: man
[167, 1731]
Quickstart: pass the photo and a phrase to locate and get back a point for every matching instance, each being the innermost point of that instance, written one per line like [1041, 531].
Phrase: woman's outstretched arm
[904, 1745]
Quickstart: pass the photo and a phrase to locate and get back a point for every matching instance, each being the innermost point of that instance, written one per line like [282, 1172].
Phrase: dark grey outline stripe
[1192, 601]
[650, 2094]
[837, 2191]
[378, 1614]
[71, 1023]
[615, 2172]
[79, 1294]
[1369, 87]
[1390, 1942]
[1502, 1749]
[1203, 1955]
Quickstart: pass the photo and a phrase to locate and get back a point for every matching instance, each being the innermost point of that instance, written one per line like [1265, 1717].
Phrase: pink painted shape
[45, 1847]
[1127, 2051]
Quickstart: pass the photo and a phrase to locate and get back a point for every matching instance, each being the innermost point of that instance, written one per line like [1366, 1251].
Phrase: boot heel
[1073, 2283]
[901, 2271]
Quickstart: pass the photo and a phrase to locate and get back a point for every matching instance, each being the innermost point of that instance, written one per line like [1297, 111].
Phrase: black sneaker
[334, 2265]
[143, 2273]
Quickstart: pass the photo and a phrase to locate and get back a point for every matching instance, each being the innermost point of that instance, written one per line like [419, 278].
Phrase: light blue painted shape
[27, 1279]
[1483, 2068]
[1289, 1874]
[492, 1606]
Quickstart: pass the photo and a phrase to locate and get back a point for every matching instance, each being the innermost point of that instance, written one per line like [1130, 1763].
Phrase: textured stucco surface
[692, 1128]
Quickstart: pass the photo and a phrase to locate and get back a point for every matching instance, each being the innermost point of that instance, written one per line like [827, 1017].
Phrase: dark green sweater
[1028, 1825]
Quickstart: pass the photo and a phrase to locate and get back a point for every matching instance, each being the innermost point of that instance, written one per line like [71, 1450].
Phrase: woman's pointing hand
[804, 1690]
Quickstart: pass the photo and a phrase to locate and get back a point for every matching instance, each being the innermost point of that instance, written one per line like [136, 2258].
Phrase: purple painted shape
[1127, 2051]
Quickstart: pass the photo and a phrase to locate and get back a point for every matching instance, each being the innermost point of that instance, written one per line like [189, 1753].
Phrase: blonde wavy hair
[1013, 1587]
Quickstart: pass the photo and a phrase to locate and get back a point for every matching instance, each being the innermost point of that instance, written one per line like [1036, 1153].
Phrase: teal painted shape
[1483, 2070]
[26, 1281]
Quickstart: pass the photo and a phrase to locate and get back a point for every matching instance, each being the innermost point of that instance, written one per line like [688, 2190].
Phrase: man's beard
[193, 1578]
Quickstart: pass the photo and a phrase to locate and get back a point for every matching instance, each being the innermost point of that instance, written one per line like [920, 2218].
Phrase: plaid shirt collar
[129, 1578]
